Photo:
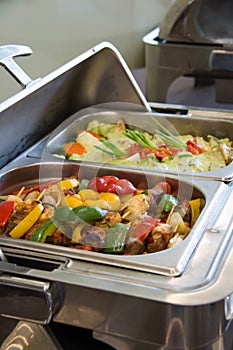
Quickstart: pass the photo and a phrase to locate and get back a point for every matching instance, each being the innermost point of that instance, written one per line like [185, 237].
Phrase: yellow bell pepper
[101, 203]
[25, 224]
[196, 208]
[112, 198]
[72, 200]
[67, 184]
[76, 235]
[87, 194]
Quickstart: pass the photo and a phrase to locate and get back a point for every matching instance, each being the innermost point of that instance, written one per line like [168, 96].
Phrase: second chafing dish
[171, 261]
[196, 125]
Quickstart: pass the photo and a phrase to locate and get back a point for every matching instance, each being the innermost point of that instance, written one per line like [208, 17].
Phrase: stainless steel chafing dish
[186, 278]
[193, 40]
[196, 125]
[178, 299]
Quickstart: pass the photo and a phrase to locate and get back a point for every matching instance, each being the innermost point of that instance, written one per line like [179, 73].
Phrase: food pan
[171, 261]
[212, 167]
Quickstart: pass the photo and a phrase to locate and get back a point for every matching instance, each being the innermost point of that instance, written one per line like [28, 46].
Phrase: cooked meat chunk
[58, 238]
[93, 236]
[134, 247]
[161, 235]
[110, 219]
[135, 207]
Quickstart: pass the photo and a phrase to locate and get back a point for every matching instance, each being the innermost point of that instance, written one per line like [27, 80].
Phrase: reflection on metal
[30, 336]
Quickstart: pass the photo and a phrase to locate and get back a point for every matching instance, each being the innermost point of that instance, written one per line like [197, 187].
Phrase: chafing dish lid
[200, 21]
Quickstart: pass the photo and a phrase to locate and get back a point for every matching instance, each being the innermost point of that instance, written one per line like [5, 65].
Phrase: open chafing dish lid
[199, 21]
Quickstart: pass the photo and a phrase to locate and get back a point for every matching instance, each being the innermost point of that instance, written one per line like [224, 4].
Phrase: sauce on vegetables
[117, 144]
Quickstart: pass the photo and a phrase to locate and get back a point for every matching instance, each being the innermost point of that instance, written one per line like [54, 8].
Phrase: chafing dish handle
[221, 60]
[28, 299]
[7, 54]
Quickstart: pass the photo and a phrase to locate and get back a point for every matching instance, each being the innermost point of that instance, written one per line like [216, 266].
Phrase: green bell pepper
[64, 214]
[47, 228]
[115, 239]
[167, 202]
[89, 213]
[82, 213]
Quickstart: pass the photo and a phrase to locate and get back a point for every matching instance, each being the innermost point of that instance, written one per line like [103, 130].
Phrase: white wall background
[59, 30]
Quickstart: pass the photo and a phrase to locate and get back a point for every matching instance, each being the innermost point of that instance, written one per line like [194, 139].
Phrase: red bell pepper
[6, 209]
[193, 147]
[143, 229]
[124, 186]
[103, 184]
[112, 184]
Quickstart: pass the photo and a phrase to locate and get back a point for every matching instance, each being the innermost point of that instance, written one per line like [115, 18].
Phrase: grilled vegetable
[196, 208]
[143, 229]
[103, 184]
[89, 213]
[64, 214]
[167, 202]
[115, 239]
[67, 184]
[24, 225]
[46, 229]
[6, 208]
[112, 184]
[82, 213]
[120, 219]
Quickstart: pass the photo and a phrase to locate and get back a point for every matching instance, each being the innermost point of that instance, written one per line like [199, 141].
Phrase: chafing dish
[196, 125]
[184, 303]
[193, 40]
[183, 277]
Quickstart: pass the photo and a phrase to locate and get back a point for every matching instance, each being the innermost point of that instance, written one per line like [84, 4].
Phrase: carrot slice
[90, 132]
[74, 148]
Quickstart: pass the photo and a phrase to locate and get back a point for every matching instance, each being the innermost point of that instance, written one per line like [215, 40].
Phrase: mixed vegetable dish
[115, 143]
[105, 214]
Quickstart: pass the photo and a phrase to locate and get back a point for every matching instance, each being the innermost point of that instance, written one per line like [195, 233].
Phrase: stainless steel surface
[99, 75]
[192, 21]
[29, 299]
[188, 43]
[27, 335]
[196, 125]
[7, 54]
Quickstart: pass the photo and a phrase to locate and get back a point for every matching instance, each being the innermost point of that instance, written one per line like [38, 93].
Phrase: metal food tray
[199, 125]
[171, 261]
